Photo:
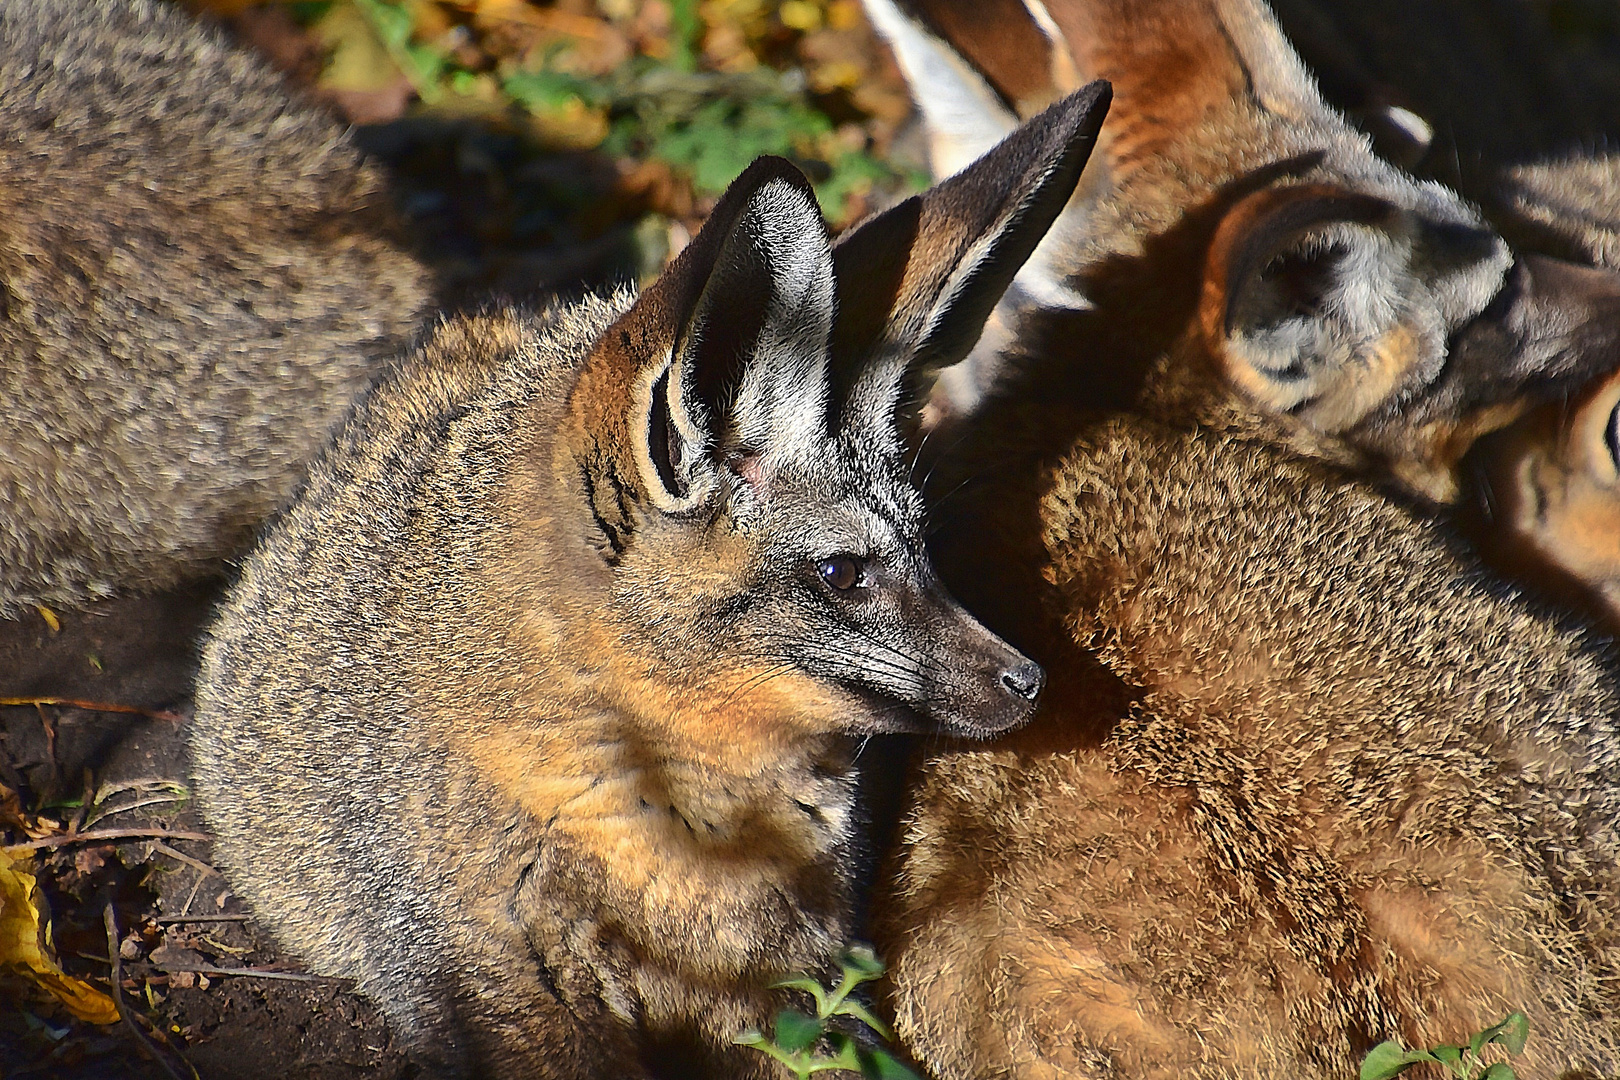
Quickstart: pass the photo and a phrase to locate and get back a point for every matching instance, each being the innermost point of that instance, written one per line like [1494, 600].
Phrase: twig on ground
[155, 800]
[191, 896]
[50, 743]
[96, 835]
[257, 973]
[95, 706]
[164, 920]
[128, 1021]
[183, 857]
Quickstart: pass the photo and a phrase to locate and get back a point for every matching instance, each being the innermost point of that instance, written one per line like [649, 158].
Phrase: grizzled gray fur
[197, 272]
[537, 713]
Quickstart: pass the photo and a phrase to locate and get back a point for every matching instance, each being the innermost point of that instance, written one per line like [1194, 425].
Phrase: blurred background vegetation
[537, 145]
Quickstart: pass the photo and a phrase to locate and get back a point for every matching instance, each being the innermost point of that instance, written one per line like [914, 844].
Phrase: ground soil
[173, 913]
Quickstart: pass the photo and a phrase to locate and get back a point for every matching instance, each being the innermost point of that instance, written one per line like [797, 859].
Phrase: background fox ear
[975, 69]
[1308, 301]
[917, 282]
[965, 115]
[752, 304]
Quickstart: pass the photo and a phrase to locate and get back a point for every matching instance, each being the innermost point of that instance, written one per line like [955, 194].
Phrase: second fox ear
[1307, 300]
[917, 282]
[751, 303]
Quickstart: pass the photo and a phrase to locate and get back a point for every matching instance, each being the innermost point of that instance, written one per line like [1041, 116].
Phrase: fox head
[1549, 498]
[1240, 249]
[1546, 492]
[734, 456]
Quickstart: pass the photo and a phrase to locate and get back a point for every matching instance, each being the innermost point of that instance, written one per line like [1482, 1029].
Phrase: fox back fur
[197, 273]
[1358, 790]
[1305, 779]
[576, 624]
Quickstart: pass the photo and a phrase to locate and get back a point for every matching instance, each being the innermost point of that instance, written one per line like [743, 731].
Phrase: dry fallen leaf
[25, 945]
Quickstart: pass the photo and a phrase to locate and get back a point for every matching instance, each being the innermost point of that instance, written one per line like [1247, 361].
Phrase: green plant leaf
[1515, 1030]
[809, 986]
[882, 1065]
[420, 64]
[687, 25]
[796, 1031]
[1389, 1059]
[862, 959]
[1500, 1071]
[1447, 1055]
[749, 1038]
[860, 1012]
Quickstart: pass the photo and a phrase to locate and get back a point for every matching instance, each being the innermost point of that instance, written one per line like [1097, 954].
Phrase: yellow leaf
[79, 997]
[573, 125]
[358, 59]
[844, 14]
[25, 940]
[799, 15]
[50, 619]
[20, 931]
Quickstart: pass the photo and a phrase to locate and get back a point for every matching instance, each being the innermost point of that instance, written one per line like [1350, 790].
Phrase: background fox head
[1545, 503]
[1238, 250]
[1549, 498]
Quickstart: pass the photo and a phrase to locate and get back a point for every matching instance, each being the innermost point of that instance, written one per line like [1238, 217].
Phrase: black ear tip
[1081, 113]
[767, 168]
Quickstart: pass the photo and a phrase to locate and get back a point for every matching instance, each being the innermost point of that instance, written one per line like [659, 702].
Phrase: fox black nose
[1025, 680]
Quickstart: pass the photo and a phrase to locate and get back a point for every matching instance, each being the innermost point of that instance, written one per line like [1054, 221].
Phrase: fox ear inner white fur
[747, 372]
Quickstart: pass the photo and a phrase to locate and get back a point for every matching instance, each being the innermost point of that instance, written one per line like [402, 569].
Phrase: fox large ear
[751, 306]
[917, 282]
[975, 67]
[1312, 302]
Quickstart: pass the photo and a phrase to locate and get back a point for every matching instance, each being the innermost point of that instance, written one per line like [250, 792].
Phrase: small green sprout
[1389, 1059]
[799, 1036]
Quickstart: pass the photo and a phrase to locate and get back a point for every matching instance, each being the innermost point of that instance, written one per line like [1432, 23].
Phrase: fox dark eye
[842, 573]
[1611, 436]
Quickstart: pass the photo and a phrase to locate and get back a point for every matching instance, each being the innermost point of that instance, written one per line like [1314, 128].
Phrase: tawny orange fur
[1360, 792]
